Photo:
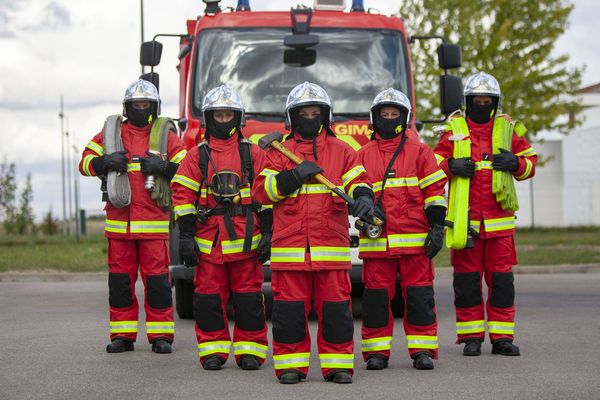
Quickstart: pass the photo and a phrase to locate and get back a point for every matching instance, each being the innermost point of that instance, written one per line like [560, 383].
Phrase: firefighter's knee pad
[503, 290]
[467, 289]
[119, 290]
[420, 305]
[158, 291]
[376, 307]
[208, 312]
[248, 311]
[289, 321]
[338, 326]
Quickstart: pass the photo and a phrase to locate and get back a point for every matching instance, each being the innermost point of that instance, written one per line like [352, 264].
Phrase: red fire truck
[263, 55]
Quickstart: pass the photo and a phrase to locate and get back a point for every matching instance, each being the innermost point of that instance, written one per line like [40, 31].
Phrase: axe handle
[319, 177]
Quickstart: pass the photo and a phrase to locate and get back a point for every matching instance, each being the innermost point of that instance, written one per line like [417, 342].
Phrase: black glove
[98, 165]
[153, 164]
[462, 167]
[188, 248]
[306, 170]
[170, 171]
[434, 240]
[266, 229]
[379, 213]
[505, 161]
[116, 161]
[363, 208]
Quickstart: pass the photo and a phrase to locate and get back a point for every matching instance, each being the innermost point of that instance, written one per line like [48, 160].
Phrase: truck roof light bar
[330, 5]
[357, 6]
[243, 5]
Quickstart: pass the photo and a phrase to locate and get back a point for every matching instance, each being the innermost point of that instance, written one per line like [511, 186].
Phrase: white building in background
[566, 190]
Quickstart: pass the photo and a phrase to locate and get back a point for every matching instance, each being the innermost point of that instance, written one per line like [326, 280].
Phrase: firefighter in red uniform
[310, 254]
[409, 188]
[493, 253]
[219, 231]
[137, 232]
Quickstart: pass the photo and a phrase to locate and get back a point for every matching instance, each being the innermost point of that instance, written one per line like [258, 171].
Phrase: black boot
[249, 362]
[213, 363]
[377, 362]
[505, 348]
[119, 345]
[289, 377]
[422, 361]
[340, 377]
[472, 347]
[161, 346]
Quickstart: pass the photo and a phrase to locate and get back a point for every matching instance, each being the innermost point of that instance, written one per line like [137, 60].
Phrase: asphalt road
[53, 336]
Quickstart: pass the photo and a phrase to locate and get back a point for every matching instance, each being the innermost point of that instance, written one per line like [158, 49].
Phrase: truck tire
[184, 294]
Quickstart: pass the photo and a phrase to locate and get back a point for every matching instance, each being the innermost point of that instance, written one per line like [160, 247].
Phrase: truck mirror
[451, 94]
[449, 56]
[301, 41]
[150, 53]
[151, 77]
[299, 57]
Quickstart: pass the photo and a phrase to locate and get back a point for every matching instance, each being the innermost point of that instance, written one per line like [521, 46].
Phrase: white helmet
[306, 94]
[223, 98]
[141, 90]
[482, 84]
[390, 97]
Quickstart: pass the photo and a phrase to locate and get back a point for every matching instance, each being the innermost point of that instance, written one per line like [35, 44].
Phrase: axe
[274, 139]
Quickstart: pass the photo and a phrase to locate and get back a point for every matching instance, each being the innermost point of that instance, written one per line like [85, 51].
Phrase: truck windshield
[353, 65]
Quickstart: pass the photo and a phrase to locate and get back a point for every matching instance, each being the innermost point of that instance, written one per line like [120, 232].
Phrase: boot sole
[471, 354]
[506, 354]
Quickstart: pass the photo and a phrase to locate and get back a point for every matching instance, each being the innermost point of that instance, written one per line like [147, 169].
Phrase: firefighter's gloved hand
[116, 161]
[306, 170]
[264, 247]
[363, 208]
[98, 165]
[379, 213]
[153, 164]
[505, 161]
[462, 167]
[188, 248]
[434, 240]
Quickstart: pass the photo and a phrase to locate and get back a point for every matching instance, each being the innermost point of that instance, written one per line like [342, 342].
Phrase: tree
[511, 39]
[49, 225]
[25, 218]
[8, 188]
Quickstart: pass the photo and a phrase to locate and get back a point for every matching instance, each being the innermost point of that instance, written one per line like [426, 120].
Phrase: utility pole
[76, 187]
[142, 25]
[69, 188]
[61, 115]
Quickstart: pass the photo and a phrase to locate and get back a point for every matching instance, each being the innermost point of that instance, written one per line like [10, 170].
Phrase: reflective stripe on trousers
[501, 328]
[123, 326]
[422, 342]
[344, 361]
[466, 327]
[292, 360]
[377, 344]
[256, 349]
[160, 327]
[208, 348]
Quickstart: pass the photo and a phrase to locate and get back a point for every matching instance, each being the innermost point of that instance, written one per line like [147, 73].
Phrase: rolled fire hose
[159, 138]
[503, 185]
[117, 184]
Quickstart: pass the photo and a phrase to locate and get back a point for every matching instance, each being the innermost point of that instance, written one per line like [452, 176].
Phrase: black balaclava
[389, 128]
[307, 128]
[222, 130]
[141, 118]
[481, 114]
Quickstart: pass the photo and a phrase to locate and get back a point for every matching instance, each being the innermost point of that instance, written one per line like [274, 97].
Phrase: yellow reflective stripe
[439, 158]
[237, 246]
[267, 172]
[134, 167]
[345, 361]
[479, 165]
[292, 360]
[203, 193]
[506, 328]
[245, 192]
[527, 153]
[422, 342]
[271, 188]
[436, 201]
[149, 226]
[328, 253]
[499, 224]
[432, 178]
[123, 326]
[377, 344]
[160, 327]
[470, 327]
[528, 168]
[407, 240]
[256, 349]
[397, 182]
[353, 187]
[87, 160]
[288, 254]
[187, 182]
[475, 225]
[204, 245]
[352, 174]
[178, 157]
[184, 209]
[114, 226]
[208, 348]
[366, 244]
[95, 147]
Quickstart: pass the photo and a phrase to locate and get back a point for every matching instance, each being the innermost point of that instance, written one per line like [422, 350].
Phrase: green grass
[51, 253]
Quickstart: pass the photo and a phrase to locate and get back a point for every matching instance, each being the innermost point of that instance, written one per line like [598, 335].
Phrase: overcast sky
[89, 52]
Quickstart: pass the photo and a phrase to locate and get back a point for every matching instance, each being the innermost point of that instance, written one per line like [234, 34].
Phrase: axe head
[265, 141]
